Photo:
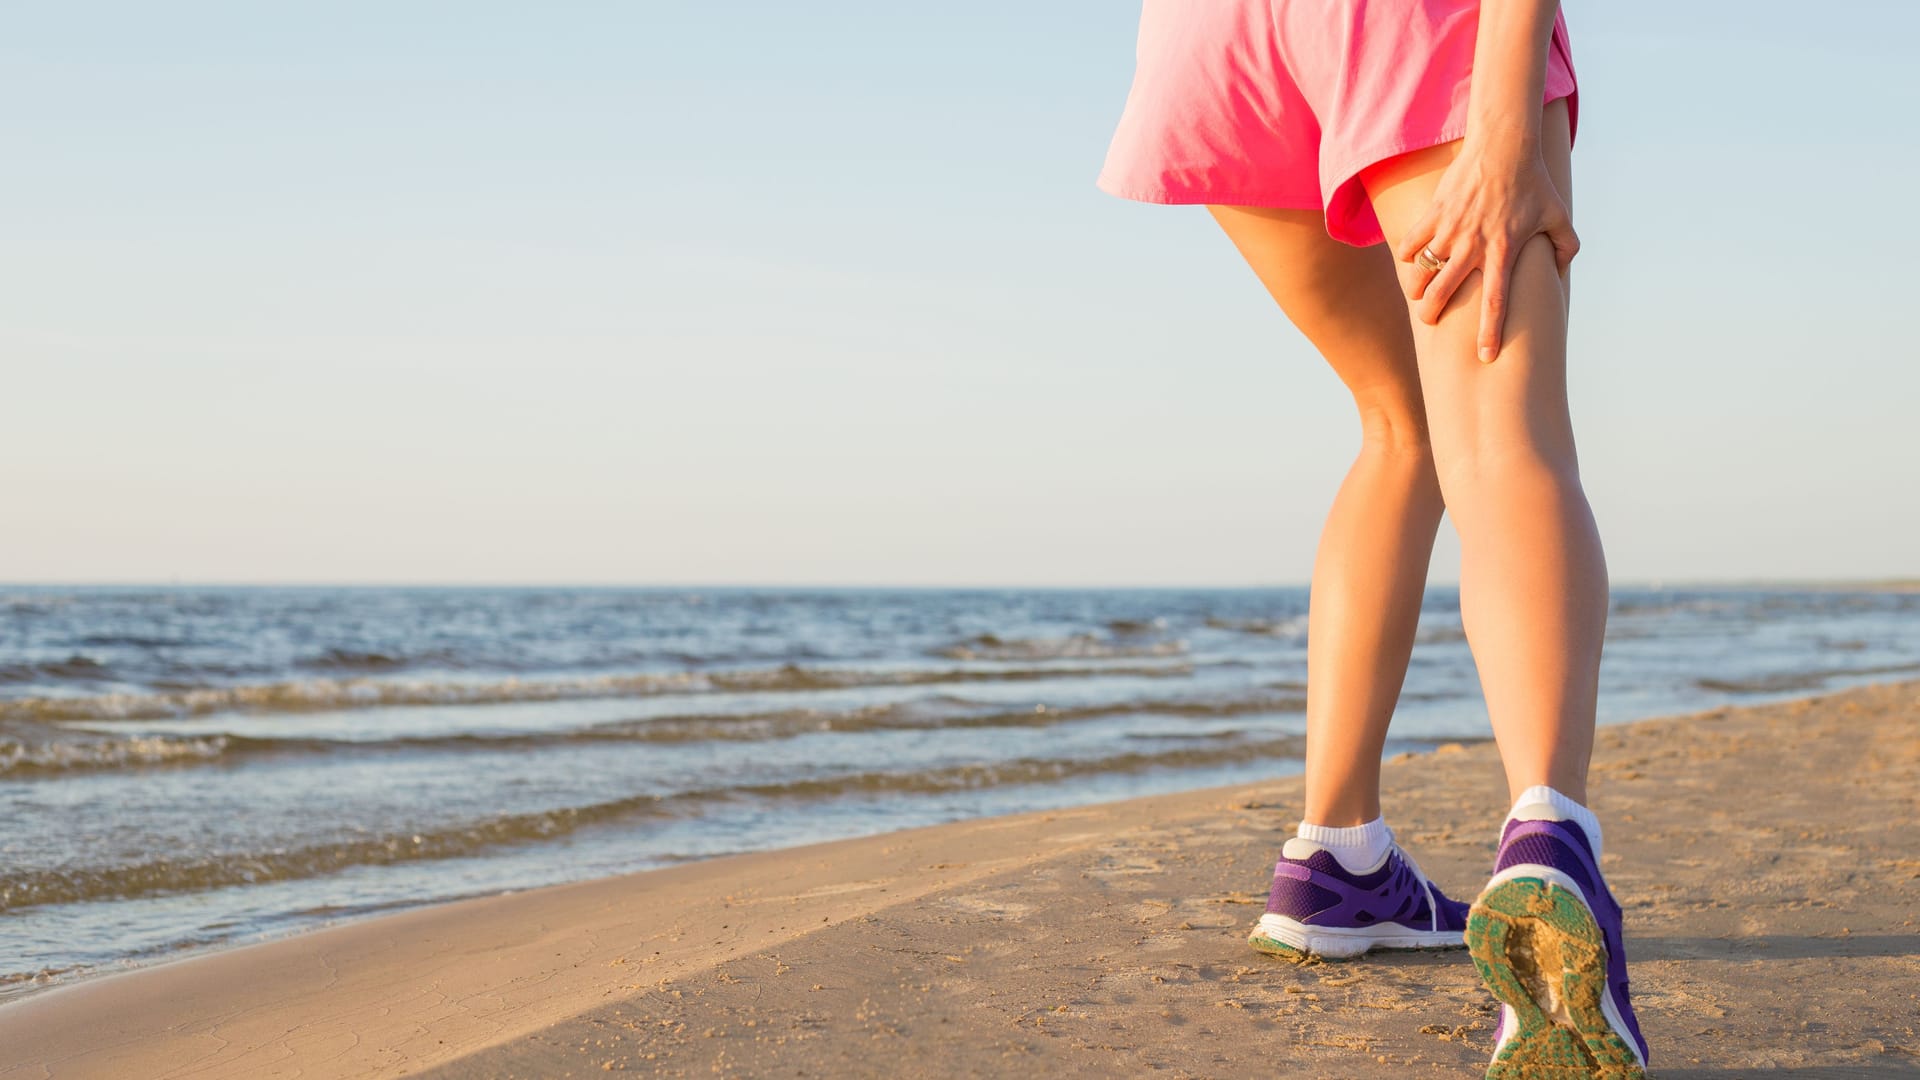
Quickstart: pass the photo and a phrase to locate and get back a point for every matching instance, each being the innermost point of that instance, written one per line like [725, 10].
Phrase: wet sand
[1765, 856]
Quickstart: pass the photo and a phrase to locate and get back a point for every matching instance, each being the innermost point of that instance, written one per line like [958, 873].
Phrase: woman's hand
[1488, 204]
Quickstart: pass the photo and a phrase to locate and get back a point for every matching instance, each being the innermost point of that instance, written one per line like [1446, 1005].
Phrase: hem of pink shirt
[1355, 164]
[1170, 196]
[1349, 172]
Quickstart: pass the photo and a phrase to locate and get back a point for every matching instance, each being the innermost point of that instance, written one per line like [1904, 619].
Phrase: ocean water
[182, 768]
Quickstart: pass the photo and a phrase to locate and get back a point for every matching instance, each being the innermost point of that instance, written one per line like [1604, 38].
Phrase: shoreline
[1104, 938]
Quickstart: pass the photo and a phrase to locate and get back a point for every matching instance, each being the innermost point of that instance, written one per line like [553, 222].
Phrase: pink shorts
[1285, 102]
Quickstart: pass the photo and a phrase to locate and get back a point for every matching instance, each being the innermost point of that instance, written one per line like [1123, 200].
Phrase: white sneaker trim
[1347, 941]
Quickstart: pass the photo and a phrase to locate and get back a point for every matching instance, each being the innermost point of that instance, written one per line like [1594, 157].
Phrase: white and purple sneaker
[1546, 937]
[1320, 908]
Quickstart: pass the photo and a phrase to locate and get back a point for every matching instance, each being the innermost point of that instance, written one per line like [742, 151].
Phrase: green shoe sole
[1539, 950]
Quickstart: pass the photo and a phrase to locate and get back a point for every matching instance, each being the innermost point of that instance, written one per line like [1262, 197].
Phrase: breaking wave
[318, 695]
[1072, 647]
[30, 749]
[1786, 681]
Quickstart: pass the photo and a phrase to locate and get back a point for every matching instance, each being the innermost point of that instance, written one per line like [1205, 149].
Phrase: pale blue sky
[686, 292]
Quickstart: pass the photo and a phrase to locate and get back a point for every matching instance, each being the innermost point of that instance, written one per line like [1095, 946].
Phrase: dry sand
[1766, 857]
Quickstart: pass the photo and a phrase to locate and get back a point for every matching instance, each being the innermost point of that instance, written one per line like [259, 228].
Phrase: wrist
[1505, 136]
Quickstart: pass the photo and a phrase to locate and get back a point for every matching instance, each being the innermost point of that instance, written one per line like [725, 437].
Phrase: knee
[1395, 450]
[1503, 470]
[1394, 427]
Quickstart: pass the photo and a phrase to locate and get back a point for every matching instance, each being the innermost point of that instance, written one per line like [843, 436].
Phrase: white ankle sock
[1358, 848]
[1542, 803]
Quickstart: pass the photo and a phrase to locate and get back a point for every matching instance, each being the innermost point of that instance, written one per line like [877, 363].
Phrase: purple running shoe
[1320, 908]
[1546, 937]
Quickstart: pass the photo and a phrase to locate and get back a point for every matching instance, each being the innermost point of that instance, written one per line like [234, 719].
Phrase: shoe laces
[1433, 904]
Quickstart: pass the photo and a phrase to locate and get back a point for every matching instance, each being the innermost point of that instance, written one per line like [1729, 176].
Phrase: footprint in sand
[1110, 866]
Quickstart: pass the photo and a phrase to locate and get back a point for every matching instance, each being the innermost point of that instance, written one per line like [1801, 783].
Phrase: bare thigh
[1518, 402]
[1345, 300]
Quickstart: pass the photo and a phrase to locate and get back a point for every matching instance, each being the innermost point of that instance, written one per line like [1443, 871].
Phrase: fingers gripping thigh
[1518, 402]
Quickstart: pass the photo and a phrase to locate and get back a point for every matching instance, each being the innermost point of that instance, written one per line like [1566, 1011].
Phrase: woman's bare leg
[1533, 577]
[1371, 567]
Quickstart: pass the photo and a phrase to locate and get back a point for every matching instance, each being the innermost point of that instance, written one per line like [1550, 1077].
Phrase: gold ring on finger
[1428, 261]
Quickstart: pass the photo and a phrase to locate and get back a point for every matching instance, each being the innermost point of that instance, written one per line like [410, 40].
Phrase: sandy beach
[1771, 886]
